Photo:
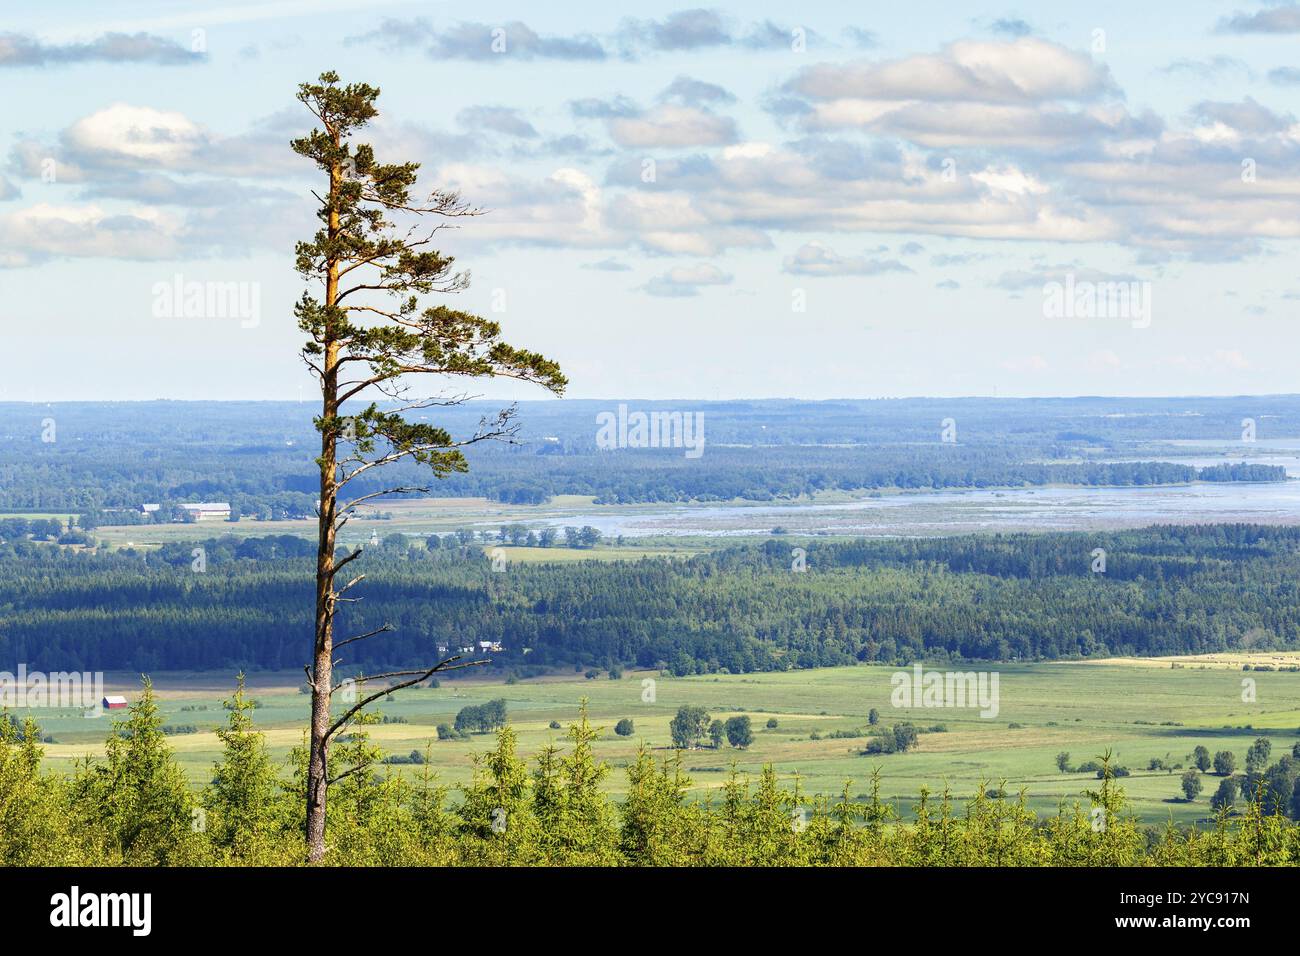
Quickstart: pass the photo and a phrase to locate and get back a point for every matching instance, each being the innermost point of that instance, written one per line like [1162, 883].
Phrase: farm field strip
[1136, 709]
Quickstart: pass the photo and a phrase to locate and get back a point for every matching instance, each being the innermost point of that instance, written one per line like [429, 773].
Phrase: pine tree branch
[349, 772]
[394, 688]
[361, 637]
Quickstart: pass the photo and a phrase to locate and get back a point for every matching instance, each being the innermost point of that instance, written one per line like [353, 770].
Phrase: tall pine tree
[369, 339]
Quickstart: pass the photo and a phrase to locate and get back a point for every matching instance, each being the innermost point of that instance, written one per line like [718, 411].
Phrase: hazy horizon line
[696, 399]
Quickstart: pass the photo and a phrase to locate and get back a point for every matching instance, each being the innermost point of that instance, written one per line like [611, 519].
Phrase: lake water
[961, 511]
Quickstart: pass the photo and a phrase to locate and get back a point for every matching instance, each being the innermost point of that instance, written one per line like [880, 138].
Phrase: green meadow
[1136, 709]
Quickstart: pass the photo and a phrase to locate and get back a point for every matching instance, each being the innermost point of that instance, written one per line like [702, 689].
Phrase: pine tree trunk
[322, 658]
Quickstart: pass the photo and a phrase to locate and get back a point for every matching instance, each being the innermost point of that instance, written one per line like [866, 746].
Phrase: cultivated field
[420, 517]
[1140, 709]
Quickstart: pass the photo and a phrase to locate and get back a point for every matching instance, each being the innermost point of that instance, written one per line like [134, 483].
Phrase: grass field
[418, 518]
[1138, 709]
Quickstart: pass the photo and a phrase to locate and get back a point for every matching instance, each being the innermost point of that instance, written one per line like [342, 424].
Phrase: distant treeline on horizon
[87, 457]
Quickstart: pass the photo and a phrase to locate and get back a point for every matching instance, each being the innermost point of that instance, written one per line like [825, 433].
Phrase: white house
[209, 510]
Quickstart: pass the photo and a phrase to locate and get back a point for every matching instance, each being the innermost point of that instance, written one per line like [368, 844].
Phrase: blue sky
[840, 203]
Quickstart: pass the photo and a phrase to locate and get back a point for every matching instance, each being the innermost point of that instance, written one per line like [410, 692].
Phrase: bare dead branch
[359, 578]
[400, 490]
[361, 637]
[347, 773]
[356, 708]
[339, 565]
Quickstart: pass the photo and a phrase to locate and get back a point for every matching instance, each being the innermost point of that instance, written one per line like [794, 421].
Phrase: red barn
[114, 703]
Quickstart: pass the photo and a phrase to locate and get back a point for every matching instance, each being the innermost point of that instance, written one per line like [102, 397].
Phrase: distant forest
[84, 457]
[1165, 590]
